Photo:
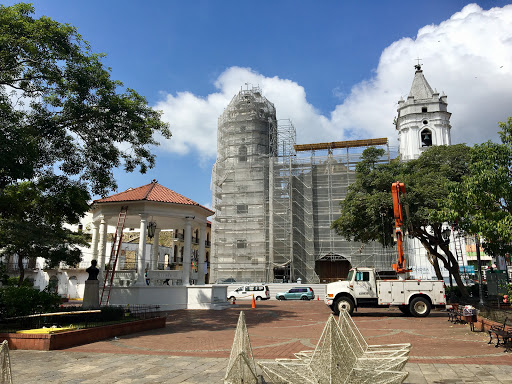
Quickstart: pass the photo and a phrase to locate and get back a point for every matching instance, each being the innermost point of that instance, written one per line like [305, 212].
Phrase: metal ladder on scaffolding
[458, 247]
[114, 254]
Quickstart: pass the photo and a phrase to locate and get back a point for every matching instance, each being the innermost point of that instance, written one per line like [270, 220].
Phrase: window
[363, 276]
[423, 109]
[130, 260]
[80, 227]
[241, 243]
[242, 208]
[242, 154]
[426, 138]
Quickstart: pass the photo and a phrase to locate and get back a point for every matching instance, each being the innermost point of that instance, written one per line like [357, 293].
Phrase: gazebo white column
[94, 240]
[201, 267]
[102, 243]
[187, 252]
[141, 260]
[154, 260]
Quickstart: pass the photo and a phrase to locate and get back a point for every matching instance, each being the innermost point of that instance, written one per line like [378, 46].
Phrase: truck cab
[359, 289]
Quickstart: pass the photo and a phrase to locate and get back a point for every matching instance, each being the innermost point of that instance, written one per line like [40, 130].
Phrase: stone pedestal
[91, 294]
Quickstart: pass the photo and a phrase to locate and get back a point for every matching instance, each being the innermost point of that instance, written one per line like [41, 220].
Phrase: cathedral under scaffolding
[275, 200]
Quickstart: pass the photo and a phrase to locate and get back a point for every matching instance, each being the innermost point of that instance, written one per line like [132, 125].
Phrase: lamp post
[445, 236]
[479, 268]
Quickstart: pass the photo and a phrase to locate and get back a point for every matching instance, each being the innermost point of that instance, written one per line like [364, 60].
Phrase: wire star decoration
[342, 355]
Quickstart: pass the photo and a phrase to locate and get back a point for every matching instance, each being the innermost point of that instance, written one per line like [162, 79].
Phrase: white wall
[172, 297]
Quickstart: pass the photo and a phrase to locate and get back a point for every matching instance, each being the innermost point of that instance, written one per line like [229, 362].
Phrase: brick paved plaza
[195, 345]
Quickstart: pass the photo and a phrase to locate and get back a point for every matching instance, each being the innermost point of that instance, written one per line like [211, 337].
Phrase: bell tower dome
[423, 119]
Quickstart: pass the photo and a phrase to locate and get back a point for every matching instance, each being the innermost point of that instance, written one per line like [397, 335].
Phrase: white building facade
[423, 119]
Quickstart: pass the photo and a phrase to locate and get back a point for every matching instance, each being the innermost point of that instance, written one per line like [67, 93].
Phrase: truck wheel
[258, 298]
[343, 304]
[405, 310]
[419, 307]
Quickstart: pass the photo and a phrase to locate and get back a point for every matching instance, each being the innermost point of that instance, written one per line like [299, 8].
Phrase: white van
[260, 292]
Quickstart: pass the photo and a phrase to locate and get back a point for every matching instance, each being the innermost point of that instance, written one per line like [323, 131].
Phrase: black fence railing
[141, 311]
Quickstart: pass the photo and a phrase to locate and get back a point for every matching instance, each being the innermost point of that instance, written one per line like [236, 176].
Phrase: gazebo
[153, 208]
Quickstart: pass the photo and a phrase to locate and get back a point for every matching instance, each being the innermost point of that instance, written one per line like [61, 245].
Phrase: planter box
[48, 342]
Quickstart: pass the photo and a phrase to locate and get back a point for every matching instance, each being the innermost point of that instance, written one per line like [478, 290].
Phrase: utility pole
[479, 268]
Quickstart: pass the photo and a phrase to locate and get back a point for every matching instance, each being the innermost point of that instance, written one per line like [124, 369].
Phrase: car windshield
[350, 274]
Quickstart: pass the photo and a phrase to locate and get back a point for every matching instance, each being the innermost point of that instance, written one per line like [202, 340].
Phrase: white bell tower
[423, 119]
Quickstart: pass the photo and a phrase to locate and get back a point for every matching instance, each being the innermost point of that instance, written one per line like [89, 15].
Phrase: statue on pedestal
[92, 290]
[93, 271]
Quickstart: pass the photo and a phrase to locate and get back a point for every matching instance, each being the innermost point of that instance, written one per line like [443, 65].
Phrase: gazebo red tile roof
[150, 192]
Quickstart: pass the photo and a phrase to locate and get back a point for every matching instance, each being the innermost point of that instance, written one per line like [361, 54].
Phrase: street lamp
[479, 266]
[445, 237]
[445, 234]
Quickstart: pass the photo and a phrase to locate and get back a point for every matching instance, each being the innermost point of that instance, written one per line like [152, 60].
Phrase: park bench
[456, 315]
[500, 331]
[460, 315]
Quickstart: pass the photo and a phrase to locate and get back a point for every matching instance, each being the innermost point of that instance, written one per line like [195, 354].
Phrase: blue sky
[335, 68]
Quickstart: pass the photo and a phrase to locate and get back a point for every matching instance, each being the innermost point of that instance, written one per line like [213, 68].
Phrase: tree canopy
[367, 211]
[483, 199]
[65, 125]
[60, 109]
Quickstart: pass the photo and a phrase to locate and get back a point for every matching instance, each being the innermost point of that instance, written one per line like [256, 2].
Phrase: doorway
[332, 267]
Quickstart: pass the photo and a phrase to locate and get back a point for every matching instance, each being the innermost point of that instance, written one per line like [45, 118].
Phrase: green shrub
[13, 282]
[21, 301]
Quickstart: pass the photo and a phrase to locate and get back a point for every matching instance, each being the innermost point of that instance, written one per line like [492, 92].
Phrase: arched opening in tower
[332, 267]
[426, 138]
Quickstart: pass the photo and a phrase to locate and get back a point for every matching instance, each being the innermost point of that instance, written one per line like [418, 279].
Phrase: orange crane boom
[398, 189]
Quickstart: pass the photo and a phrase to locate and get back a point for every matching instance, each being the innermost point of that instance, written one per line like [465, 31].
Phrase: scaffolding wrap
[274, 208]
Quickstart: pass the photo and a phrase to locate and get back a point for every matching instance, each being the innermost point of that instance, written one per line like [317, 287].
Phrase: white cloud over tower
[469, 57]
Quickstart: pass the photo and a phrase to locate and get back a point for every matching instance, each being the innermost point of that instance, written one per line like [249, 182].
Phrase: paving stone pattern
[195, 346]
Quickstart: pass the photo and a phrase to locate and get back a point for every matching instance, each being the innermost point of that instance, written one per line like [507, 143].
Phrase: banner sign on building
[467, 269]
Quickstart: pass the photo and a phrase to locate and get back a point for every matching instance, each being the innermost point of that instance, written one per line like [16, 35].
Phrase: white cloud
[468, 57]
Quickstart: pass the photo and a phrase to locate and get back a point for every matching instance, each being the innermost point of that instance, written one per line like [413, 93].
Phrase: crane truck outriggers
[364, 288]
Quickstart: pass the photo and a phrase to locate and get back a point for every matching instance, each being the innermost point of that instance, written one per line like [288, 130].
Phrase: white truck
[363, 288]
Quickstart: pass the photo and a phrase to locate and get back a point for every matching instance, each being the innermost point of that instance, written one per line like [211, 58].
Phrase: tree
[367, 211]
[483, 200]
[65, 125]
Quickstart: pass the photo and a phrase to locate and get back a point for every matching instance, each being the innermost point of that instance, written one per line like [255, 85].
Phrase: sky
[335, 68]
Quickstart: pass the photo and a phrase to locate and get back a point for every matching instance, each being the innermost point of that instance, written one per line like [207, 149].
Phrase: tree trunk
[21, 269]
[454, 270]
[452, 266]
[437, 268]
[434, 261]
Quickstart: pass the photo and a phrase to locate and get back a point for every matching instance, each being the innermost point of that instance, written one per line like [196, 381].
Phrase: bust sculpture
[93, 271]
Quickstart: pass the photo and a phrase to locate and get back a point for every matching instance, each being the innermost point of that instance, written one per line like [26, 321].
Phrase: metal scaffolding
[247, 138]
[273, 207]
